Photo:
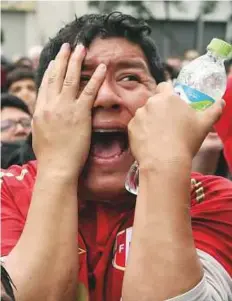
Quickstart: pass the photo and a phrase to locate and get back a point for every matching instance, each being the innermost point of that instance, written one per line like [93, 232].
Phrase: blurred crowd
[18, 87]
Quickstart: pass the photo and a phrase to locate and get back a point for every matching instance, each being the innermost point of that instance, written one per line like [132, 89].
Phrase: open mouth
[109, 143]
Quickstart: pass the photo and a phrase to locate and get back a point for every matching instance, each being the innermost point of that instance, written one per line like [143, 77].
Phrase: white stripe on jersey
[216, 284]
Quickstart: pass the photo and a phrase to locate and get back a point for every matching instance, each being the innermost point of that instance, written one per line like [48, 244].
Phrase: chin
[104, 188]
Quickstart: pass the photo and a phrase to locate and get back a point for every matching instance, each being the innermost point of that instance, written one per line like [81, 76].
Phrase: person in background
[190, 55]
[15, 119]
[21, 83]
[170, 73]
[17, 153]
[210, 158]
[23, 62]
[174, 62]
[34, 55]
[15, 128]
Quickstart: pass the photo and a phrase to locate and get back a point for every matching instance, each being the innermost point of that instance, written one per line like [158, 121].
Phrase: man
[20, 153]
[34, 54]
[21, 83]
[97, 105]
[15, 126]
[15, 119]
[190, 55]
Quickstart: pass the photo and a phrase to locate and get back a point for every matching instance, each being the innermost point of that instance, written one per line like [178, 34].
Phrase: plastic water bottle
[199, 83]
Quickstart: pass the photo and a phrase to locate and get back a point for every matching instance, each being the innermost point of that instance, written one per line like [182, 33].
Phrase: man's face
[26, 90]
[127, 86]
[15, 124]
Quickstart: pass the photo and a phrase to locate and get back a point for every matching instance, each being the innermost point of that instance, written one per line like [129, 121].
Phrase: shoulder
[17, 182]
[211, 212]
[210, 189]
[16, 174]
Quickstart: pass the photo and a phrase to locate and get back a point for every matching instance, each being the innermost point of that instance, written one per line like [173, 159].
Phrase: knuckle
[139, 112]
[150, 102]
[94, 81]
[35, 118]
[51, 79]
[89, 90]
[130, 125]
[68, 82]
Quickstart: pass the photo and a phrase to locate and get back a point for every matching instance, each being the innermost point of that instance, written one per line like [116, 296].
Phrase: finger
[57, 74]
[212, 114]
[42, 93]
[90, 91]
[165, 87]
[72, 77]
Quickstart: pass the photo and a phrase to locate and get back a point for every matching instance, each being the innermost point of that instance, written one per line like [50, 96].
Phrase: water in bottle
[199, 83]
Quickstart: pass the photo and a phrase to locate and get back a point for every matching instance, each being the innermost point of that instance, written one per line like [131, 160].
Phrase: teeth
[108, 130]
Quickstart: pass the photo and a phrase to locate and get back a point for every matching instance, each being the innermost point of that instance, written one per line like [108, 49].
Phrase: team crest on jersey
[121, 249]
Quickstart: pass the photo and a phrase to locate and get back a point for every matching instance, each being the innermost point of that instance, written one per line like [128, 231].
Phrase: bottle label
[196, 99]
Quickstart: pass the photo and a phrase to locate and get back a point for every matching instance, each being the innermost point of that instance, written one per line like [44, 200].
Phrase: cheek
[136, 99]
[6, 136]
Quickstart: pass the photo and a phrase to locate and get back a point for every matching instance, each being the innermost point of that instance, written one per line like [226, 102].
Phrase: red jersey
[105, 232]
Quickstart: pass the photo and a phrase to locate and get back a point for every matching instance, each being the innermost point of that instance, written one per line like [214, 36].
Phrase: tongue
[106, 150]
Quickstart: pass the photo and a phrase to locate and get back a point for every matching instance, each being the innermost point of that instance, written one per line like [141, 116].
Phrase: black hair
[7, 283]
[88, 27]
[8, 100]
[17, 74]
[173, 72]
[20, 63]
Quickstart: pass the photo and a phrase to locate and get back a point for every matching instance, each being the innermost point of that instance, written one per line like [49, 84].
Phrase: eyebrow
[124, 64]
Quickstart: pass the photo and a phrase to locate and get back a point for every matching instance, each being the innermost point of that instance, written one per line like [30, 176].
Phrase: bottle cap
[220, 47]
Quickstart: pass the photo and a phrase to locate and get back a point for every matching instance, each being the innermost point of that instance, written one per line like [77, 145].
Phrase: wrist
[165, 163]
[58, 171]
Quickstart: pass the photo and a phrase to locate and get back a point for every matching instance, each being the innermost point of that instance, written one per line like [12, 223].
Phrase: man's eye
[31, 88]
[16, 90]
[130, 78]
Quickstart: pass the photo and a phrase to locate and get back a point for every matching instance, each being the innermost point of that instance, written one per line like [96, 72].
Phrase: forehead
[13, 113]
[113, 51]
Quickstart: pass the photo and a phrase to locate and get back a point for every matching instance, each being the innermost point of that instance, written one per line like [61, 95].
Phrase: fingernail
[65, 46]
[79, 48]
[102, 67]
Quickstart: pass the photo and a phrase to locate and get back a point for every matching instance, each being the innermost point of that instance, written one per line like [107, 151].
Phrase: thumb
[165, 87]
[212, 114]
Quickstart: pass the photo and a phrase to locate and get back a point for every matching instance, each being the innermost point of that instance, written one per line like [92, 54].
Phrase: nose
[107, 98]
[20, 130]
[24, 94]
